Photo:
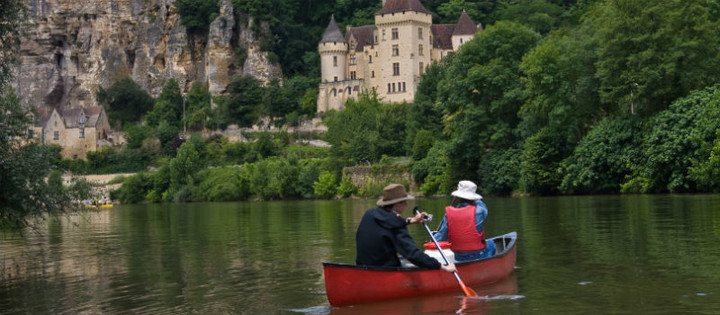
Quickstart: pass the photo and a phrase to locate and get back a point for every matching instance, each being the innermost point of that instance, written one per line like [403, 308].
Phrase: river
[576, 255]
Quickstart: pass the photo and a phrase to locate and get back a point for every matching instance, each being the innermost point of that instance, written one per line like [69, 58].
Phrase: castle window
[420, 50]
[395, 33]
[396, 68]
[334, 92]
[376, 39]
[404, 87]
[422, 68]
[461, 40]
[388, 87]
[420, 33]
[56, 135]
[352, 45]
[335, 62]
[393, 85]
[353, 75]
[30, 133]
[349, 90]
[336, 79]
[383, 35]
[372, 74]
[352, 60]
[82, 132]
[395, 50]
[370, 61]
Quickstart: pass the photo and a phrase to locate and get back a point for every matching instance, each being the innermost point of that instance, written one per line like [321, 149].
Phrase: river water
[576, 255]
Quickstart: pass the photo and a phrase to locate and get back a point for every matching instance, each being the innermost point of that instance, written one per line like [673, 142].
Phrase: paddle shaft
[447, 262]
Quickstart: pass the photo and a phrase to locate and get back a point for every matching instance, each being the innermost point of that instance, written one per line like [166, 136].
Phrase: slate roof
[442, 35]
[332, 33]
[73, 117]
[363, 35]
[465, 25]
[392, 6]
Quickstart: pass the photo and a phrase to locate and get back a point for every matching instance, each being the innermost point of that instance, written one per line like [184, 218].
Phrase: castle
[387, 57]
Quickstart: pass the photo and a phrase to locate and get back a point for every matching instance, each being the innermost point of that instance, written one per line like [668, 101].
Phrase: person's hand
[448, 268]
[418, 218]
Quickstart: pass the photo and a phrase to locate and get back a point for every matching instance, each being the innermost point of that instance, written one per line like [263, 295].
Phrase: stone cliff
[71, 48]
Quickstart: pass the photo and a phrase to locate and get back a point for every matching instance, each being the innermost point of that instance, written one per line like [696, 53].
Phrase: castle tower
[404, 47]
[333, 49]
[465, 30]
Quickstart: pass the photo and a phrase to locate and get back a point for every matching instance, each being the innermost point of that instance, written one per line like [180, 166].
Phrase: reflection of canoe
[450, 302]
[350, 284]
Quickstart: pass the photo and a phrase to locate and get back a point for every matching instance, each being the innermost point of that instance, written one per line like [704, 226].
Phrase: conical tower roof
[392, 6]
[332, 33]
[465, 25]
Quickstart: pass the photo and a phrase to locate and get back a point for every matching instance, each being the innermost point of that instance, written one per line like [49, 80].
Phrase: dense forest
[553, 97]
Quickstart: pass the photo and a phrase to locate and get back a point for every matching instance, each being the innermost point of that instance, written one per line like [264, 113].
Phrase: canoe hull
[347, 284]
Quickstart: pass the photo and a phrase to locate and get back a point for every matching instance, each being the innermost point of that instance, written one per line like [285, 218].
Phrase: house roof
[75, 116]
[363, 35]
[332, 33]
[465, 25]
[442, 35]
[392, 6]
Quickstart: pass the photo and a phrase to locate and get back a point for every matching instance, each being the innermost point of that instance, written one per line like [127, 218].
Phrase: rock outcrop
[71, 48]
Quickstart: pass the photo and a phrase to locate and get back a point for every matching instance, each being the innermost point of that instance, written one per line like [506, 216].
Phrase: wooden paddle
[468, 291]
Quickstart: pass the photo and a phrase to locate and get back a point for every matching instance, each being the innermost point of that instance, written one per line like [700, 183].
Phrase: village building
[387, 57]
[77, 130]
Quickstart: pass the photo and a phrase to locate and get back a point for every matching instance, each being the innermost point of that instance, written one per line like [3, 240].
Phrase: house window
[395, 50]
[383, 35]
[393, 85]
[56, 135]
[334, 92]
[420, 33]
[372, 74]
[352, 60]
[335, 62]
[349, 91]
[404, 87]
[370, 61]
[395, 33]
[396, 68]
[388, 87]
[420, 50]
[82, 132]
[353, 75]
[335, 78]
[422, 68]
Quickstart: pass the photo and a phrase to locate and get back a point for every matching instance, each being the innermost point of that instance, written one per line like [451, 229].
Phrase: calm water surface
[576, 255]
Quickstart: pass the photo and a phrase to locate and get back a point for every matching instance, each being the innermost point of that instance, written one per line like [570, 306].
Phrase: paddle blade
[468, 291]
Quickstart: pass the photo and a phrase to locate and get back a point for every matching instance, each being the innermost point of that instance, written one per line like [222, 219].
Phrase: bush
[325, 186]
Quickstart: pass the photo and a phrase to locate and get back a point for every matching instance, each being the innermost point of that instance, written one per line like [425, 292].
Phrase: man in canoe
[383, 233]
[462, 224]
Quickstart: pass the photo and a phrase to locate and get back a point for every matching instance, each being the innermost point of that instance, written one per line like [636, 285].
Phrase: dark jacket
[384, 233]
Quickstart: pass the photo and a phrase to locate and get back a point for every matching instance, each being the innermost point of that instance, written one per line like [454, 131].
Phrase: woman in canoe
[383, 233]
[462, 224]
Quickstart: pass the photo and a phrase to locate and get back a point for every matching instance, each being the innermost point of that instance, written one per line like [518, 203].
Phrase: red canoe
[347, 284]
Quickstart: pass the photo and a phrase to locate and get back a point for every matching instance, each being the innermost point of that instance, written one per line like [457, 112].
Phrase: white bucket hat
[466, 190]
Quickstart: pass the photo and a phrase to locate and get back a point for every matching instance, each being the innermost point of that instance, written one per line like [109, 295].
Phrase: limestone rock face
[71, 48]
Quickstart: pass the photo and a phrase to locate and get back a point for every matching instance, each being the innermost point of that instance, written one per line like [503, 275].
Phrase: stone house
[387, 57]
[77, 130]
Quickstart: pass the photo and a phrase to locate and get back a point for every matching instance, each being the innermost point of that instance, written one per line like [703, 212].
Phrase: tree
[654, 52]
[198, 106]
[11, 15]
[168, 106]
[244, 100]
[196, 15]
[125, 102]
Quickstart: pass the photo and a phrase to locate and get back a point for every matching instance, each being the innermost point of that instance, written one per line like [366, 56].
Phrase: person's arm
[442, 231]
[481, 213]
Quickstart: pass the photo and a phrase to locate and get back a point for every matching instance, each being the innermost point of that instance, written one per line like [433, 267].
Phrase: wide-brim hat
[393, 194]
[466, 190]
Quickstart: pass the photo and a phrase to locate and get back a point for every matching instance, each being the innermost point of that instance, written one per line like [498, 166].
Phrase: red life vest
[462, 232]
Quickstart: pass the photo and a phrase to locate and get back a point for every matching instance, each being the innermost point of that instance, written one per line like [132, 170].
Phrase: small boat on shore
[347, 284]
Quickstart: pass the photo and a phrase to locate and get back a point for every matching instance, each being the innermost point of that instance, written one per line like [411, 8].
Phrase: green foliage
[24, 193]
[12, 13]
[245, 97]
[168, 107]
[500, 172]
[125, 102]
[222, 184]
[672, 140]
[346, 188]
[653, 52]
[541, 157]
[423, 142]
[134, 188]
[185, 165]
[600, 162]
[196, 15]
[425, 113]
[198, 106]
[273, 178]
[326, 185]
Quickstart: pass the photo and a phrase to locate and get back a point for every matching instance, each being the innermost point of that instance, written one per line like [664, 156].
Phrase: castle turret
[332, 48]
[465, 30]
